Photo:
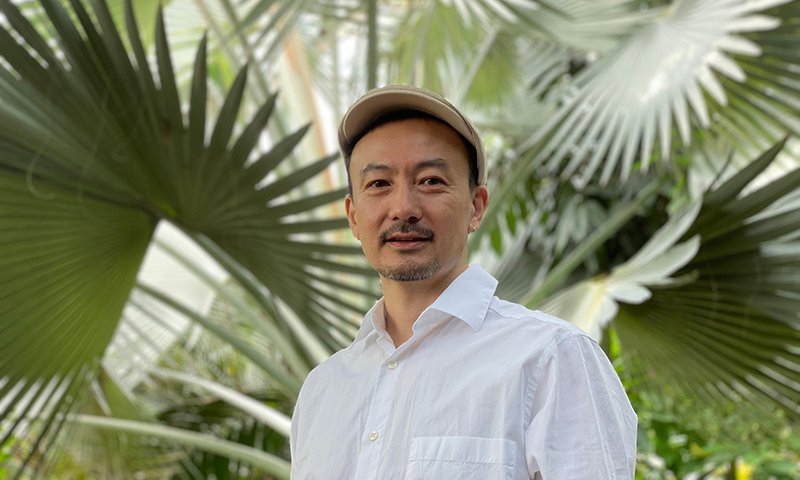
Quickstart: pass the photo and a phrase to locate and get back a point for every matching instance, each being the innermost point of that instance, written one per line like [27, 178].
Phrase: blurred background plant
[173, 257]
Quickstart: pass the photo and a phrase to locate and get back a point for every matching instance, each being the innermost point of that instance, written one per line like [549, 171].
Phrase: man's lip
[406, 238]
[406, 235]
[408, 244]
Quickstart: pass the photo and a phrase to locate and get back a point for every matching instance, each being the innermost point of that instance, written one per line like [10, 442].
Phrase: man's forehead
[410, 130]
[403, 116]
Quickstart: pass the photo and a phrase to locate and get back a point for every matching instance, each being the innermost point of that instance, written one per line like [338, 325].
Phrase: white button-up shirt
[484, 389]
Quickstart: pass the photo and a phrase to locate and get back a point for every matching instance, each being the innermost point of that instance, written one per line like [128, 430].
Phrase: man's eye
[378, 184]
[432, 181]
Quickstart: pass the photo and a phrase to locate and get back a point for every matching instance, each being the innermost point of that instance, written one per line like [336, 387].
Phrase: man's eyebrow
[370, 167]
[439, 163]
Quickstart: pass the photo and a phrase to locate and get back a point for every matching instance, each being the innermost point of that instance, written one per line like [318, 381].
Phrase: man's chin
[409, 273]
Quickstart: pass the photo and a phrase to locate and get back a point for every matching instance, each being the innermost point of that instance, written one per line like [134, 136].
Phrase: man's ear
[350, 209]
[480, 199]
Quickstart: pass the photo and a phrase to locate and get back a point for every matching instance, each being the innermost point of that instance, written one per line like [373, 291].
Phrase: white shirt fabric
[484, 389]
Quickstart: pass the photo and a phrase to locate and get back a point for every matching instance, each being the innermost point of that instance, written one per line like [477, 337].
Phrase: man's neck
[405, 301]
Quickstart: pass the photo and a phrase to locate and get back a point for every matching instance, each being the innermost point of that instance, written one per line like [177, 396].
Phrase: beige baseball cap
[392, 98]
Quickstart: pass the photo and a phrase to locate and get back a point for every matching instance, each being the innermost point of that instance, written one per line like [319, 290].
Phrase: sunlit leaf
[627, 104]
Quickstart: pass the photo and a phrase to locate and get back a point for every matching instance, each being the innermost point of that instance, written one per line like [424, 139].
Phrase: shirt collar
[467, 298]
[375, 315]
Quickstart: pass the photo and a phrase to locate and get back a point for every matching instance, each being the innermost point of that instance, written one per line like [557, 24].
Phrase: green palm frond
[699, 68]
[68, 264]
[196, 414]
[594, 27]
[592, 304]
[761, 109]
[620, 107]
[229, 450]
[707, 311]
[435, 47]
[737, 324]
[228, 351]
[96, 147]
[82, 447]
[147, 328]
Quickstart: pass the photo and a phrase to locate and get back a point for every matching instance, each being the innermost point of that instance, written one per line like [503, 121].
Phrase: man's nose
[406, 205]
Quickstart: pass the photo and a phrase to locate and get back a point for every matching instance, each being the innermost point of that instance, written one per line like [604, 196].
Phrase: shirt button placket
[378, 420]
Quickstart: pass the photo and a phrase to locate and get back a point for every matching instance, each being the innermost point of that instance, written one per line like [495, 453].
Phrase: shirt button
[391, 365]
[373, 435]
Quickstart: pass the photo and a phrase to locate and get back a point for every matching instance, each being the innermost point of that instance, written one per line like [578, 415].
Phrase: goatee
[410, 273]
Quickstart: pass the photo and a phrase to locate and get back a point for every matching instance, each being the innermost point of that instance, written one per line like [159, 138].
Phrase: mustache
[406, 227]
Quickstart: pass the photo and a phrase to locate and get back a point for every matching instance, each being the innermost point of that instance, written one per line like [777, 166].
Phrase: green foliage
[96, 148]
[5, 458]
[673, 444]
[728, 344]
[202, 414]
[595, 114]
[667, 449]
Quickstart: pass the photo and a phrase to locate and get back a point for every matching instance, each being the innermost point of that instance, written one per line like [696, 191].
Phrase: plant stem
[372, 44]
[271, 464]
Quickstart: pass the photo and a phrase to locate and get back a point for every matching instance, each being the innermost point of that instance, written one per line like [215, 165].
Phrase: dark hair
[398, 116]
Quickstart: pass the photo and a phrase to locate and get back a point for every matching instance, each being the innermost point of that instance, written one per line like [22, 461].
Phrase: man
[444, 380]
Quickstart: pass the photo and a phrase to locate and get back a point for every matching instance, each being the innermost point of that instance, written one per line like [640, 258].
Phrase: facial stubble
[409, 272]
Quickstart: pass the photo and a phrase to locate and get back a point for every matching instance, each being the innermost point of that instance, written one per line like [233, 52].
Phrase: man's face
[412, 206]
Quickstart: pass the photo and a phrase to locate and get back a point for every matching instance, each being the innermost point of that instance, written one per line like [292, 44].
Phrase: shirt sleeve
[582, 425]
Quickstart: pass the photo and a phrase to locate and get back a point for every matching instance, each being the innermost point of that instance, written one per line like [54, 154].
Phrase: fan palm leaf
[697, 69]
[626, 102]
[707, 311]
[96, 148]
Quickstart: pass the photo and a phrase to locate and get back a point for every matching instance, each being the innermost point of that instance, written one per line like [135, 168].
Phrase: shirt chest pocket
[443, 458]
